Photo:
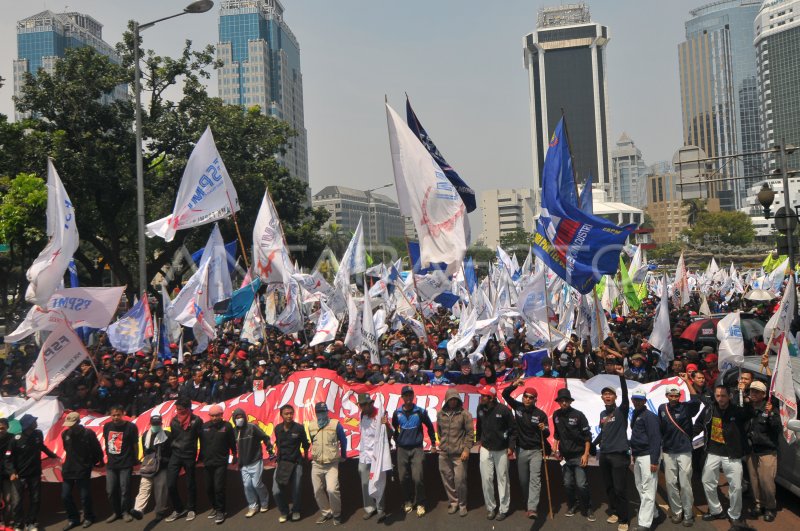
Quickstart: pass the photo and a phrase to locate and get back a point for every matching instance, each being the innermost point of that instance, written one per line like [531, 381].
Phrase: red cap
[531, 391]
[288, 342]
[242, 355]
[173, 345]
[107, 356]
[488, 390]
[168, 361]
[691, 367]
[140, 353]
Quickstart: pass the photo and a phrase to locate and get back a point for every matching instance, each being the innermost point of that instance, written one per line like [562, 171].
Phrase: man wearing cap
[217, 442]
[646, 454]
[573, 437]
[386, 375]
[676, 426]
[763, 431]
[456, 435]
[185, 428]
[416, 376]
[465, 376]
[82, 453]
[710, 361]
[638, 371]
[329, 447]
[407, 423]
[156, 449]
[614, 451]
[496, 433]
[249, 439]
[532, 433]
[374, 456]
[122, 442]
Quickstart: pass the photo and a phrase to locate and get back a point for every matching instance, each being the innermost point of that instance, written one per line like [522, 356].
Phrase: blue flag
[586, 197]
[164, 351]
[467, 194]
[447, 299]
[241, 301]
[413, 251]
[230, 250]
[580, 248]
[469, 274]
[533, 361]
[73, 274]
[133, 330]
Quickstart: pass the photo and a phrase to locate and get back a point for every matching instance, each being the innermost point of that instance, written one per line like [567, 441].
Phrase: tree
[518, 240]
[732, 228]
[336, 239]
[647, 222]
[694, 208]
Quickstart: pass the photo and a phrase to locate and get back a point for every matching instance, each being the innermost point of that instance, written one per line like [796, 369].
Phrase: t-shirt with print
[716, 439]
[122, 445]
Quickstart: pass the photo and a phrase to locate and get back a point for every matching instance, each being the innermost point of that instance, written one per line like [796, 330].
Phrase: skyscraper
[719, 101]
[628, 172]
[44, 38]
[261, 66]
[506, 211]
[566, 64]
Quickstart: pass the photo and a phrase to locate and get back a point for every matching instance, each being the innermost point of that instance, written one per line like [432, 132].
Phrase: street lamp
[200, 6]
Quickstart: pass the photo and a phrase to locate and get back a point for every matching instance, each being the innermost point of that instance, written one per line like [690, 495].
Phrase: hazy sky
[459, 60]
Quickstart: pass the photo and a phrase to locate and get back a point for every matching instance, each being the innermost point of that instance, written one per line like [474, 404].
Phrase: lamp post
[369, 207]
[200, 6]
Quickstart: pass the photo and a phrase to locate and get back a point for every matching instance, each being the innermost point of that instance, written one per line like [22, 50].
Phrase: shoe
[86, 524]
[571, 511]
[337, 520]
[250, 513]
[490, 515]
[500, 517]
[295, 517]
[175, 515]
[190, 516]
[381, 517]
[622, 527]
[420, 511]
[642, 528]
[324, 518]
[688, 522]
[589, 515]
[33, 527]
[113, 518]
[408, 507]
[462, 511]
[127, 517]
[368, 515]
[220, 518]
[613, 519]
[71, 525]
[755, 512]
[137, 514]
[676, 518]
[769, 516]
[532, 515]
[212, 514]
[708, 517]
[452, 508]
[283, 518]
[263, 509]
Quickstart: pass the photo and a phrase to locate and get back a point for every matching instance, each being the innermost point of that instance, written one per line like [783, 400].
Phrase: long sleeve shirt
[678, 439]
[645, 435]
[407, 425]
[528, 434]
[495, 429]
[613, 436]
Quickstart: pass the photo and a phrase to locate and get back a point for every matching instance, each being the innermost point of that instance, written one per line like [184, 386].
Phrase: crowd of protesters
[740, 435]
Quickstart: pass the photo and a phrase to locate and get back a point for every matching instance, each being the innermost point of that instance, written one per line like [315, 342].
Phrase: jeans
[614, 469]
[118, 489]
[83, 486]
[762, 470]
[414, 490]
[33, 484]
[173, 472]
[215, 487]
[646, 483]
[529, 467]
[576, 484]
[294, 485]
[325, 480]
[254, 489]
[371, 504]
[732, 468]
[678, 478]
[157, 486]
[495, 461]
[454, 477]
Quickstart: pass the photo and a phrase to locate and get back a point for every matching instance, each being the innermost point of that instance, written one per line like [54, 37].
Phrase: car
[788, 475]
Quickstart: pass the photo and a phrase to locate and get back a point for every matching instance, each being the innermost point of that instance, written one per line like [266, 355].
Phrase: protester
[329, 447]
[645, 446]
[456, 433]
[763, 432]
[185, 429]
[249, 439]
[217, 443]
[614, 451]
[82, 453]
[572, 444]
[121, 441]
[292, 445]
[156, 450]
[495, 431]
[374, 461]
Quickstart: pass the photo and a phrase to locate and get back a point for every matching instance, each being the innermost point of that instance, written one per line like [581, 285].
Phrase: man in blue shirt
[646, 453]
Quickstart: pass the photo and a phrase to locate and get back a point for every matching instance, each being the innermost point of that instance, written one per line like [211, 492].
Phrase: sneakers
[263, 509]
[532, 515]
[324, 518]
[451, 509]
[212, 514]
[175, 515]
[137, 514]
[283, 518]
[190, 516]
[688, 522]
[381, 516]
[589, 514]
[220, 518]
[368, 515]
[420, 511]
[708, 517]
[408, 507]
[500, 517]
[613, 519]
[769, 516]
[676, 518]
[622, 527]
[70, 525]
[462, 511]
[295, 517]
[86, 524]
[251, 512]
[127, 517]
[490, 515]
[113, 518]
[337, 520]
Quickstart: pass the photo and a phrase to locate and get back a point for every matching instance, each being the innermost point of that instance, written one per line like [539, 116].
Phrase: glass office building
[628, 172]
[719, 99]
[565, 60]
[44, 38]
[261, 66]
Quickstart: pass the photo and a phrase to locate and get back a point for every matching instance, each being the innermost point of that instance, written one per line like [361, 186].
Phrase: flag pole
[238, 233]
[545, 458]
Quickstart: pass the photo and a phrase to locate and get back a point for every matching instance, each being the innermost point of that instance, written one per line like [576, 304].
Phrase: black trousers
[615, 471]
[176, 464]
[33, 484]
[411, 459]
[215, 487]
[84, 487]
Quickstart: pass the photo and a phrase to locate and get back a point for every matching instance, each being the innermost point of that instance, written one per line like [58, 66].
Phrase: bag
[150, 462]
[283, 473]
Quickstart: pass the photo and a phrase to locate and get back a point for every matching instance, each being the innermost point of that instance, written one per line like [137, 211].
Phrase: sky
[460, 61]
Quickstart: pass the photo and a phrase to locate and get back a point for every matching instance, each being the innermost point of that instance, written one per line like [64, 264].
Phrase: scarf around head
[184, 418]
[322, 420]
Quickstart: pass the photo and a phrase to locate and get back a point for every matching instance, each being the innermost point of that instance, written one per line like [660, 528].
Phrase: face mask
[239, 423]
[156, 429]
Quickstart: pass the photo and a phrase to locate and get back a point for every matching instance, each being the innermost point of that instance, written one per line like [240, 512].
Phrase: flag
[73, 274]
[173, 328]
[327, 326]
[467, 328]
[352, 339]
[131, 332]
[369, 338]
[586, 197]
[291, 318]
[240, 302]
[46, 274]
[579, 248]
[60, 355]
[661, 336]
[731, 344]
[532, 361]
[427, 196]
[470, 277]
[270, 257]
[89, 307]
[230, 248]
[206, 192]
[354, 260]
[416, 263]
[253, 324]
[219, 285]
[380, 461]
[628, 290]
[466, 193]
[313, 283]
[782, 386]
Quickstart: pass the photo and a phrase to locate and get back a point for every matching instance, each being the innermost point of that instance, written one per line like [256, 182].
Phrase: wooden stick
[546, 478]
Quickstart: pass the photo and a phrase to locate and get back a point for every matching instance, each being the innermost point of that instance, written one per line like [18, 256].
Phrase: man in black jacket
[122, 446]
[532, 434]
[185, 428]
[495, 432]
[646, 453]
[763, 431]
[197, 389]
[290, 439]
[573, 438]
[148, 397]
[217, 442]
[83, 452]
[249, 438]
[614, 451]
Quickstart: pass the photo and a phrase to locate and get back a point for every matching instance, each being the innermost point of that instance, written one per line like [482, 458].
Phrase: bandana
[322, 420]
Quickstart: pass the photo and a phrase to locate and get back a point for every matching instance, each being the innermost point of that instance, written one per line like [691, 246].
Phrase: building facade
[665, 206]
[380, 214]
[777, 41]
[628, 172]
[44, 38]
[719, 97]
[505, 211]
[566, 62]
[765, 228]
[261, 66]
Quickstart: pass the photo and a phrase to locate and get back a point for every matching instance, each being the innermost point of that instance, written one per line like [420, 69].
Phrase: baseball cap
[672, 390]
[364, 398]
[637, 357]
[758, 386]
[608, 390]
[488, 390]
[155, 420]
[321, 407]
[72, 419]
[406, 390]
[262, 362]
[531, 391]
[639, 393]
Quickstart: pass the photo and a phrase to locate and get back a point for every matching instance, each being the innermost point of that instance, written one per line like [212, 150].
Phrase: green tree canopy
[733, 228]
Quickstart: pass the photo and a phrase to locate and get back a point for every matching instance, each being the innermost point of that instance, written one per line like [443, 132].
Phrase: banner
[61, 354]
[731, 343]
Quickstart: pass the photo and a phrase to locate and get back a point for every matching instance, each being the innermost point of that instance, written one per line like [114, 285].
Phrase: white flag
[731, 344]
[252, 324]
[354, 260]
[291, 319]
[61, 354]
[93, 307]
[369, 339]
[352, 339]
[173, 328]
[661, 336]
[781, 320]
[427, 196]
[327, 325]
[46, 274]
[467, 328]
[782, 386]
[219, 279]
[532, 300]
[270, 258]
[313, 283]
[381, 460]
[681, 283]
[206, 193]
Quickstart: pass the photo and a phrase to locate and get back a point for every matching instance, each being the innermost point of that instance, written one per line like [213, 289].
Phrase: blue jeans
[576, 484]
[294, 486]
[254, 489]
[73, 515]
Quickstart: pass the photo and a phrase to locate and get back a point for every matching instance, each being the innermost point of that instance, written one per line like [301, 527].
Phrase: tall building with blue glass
[261, 66]
[44, 38]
